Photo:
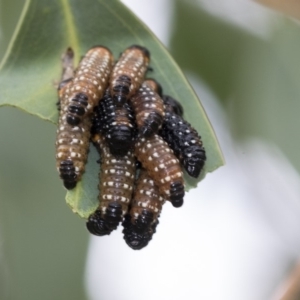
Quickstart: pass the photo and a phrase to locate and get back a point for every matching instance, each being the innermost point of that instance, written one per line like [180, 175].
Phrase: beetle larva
[148, 107]
[72, 143]
[115, 189]
[128, 73]
[185, 141]
[116, 123]
[145, 207]
[162, 166]
[134, 238]
[89, 84]
[146, 203]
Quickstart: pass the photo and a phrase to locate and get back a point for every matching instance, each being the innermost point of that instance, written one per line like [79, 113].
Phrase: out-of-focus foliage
[256, 78]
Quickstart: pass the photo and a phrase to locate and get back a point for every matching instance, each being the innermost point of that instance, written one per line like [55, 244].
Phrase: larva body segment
[185, 141]
[144, 211]
[148, 107]
[162, 166]
[72, 143]
[89, 84]
[128, 73]
[115, 189]
[116, 123]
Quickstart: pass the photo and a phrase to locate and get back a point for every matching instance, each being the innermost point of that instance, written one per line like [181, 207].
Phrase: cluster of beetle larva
[140, 134]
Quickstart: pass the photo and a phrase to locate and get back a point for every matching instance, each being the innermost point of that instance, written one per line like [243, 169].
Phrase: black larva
[185, 141]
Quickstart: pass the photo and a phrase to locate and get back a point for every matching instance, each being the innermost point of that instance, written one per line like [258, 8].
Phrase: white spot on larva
[162, 166]
[127, 174]
[189, 155]
[168, 178]
[112, 171]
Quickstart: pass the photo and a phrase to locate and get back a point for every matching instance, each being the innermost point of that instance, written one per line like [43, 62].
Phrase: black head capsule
[121, 90]
[68, 174]
[96, 225]
[172, 105]
[134, 238]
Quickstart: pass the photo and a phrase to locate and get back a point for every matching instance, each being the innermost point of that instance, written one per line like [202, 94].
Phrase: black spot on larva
[148, 107]
[185, 141]
[121, 90]
[116, 123]
[67, 174]
[151, 124]
[133, 237]
[113, 214]
[97, 225]
[177, 194]
[172, 105]
[77, 108]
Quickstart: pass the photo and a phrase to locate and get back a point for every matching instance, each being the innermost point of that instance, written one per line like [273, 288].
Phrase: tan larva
[89, 84]
[115, 188]
[148, 107]
[163, 167]
[128, 73]
[72, 145]
[147, 202]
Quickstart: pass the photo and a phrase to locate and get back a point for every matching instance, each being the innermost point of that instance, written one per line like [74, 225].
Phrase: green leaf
[32, 65]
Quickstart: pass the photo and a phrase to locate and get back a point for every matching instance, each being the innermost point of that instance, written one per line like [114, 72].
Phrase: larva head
[77, 108]
[173, 105]
[97, 225]
[144, 50]
[154, 86]
[121, 90]
[68, 174]
[152, 124]
[194, 161]
[176, 193]
[134, 238]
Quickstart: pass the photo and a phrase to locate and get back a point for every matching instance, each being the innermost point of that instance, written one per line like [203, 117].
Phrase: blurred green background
[42, 244]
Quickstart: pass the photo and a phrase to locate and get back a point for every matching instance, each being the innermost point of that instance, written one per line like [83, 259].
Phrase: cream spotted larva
[128, 73]
[89, 84]
[72, 145]
[115, 188]
[162, 166]
[145, 208]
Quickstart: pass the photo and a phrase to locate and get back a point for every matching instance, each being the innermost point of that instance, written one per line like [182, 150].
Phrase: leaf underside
[31, 67]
